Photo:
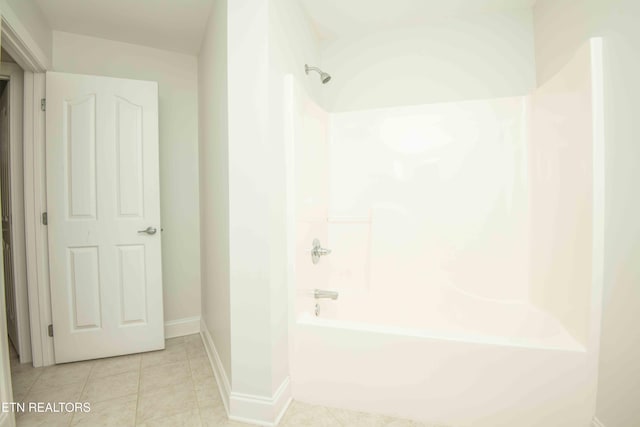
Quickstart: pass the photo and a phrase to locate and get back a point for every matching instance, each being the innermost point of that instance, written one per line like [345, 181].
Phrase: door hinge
[50, 330]
[43, 104]
[45, 218]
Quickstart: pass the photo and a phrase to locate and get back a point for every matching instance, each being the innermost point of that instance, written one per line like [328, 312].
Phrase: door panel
[7, 244]
[130, 168]
[79, 136]
[132, 281]
[102, 192]
[85, 287]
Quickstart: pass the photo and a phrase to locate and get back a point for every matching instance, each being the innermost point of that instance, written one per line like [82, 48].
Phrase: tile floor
[173, 387]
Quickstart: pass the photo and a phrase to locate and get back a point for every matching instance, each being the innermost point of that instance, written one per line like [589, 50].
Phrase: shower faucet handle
[317, 251]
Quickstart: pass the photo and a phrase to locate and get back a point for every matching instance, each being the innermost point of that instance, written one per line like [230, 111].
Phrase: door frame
[15, 75]
[7, 419]
[17, 41]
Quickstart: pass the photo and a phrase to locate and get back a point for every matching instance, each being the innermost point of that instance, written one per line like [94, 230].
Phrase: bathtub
[476, 362]
[464, 300]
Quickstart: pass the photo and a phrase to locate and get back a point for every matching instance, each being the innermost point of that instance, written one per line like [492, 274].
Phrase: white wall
[291, 45]
[560, 27]
[249, 197]
[214, 182]
[478, 56]
[177, 76]
[234, 63]
[248, 49]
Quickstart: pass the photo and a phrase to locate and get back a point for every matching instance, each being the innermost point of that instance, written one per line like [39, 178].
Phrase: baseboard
[251, 409]
[182, 327]
[218, 371]
[261, 410]
[597, 423]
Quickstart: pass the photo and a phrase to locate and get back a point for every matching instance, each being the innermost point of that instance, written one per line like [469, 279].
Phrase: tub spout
[319, 293]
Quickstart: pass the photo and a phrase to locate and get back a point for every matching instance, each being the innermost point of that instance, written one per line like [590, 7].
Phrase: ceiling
[338, 18]
[179, 25]
[176, 25]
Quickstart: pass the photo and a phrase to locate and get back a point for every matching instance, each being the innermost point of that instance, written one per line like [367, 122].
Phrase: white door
[5, 189]
[103, 205]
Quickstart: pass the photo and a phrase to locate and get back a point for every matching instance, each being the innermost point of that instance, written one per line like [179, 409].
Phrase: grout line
[190, 376]
[195, 392]
[331, 415]
[32, 384]
[135, 413]
[86, 381]
[193, 381]
[165, 362]
[162, 417]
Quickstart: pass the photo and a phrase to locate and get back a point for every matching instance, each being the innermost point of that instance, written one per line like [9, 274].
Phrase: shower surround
[466, 247]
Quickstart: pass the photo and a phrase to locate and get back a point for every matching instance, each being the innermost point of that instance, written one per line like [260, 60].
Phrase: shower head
[324, 77]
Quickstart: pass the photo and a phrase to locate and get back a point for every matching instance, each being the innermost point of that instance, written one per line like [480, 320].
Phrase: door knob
[149, 230]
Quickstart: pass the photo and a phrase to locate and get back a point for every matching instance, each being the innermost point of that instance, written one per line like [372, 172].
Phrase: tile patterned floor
[173, 387]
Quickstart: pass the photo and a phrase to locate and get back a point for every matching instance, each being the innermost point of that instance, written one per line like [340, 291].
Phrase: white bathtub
[435, 239]
[474, 363]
